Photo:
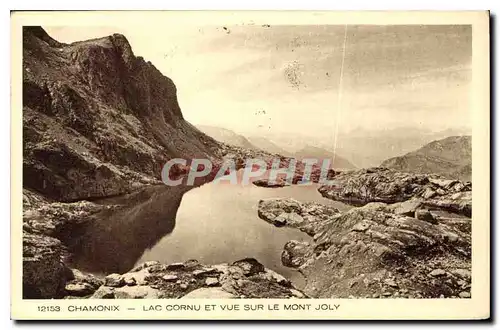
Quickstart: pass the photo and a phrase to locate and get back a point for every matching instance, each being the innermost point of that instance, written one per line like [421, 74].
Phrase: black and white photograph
[248, 160]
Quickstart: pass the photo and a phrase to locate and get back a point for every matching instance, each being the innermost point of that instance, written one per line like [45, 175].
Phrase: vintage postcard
[250, 165]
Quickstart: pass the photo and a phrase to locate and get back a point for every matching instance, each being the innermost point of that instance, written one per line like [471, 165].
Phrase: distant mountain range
[450, 157]
[366, 147]
[269, 146]
[320, 153]
[227, 136]
[261, 143]
[370, 148]
[399, 148]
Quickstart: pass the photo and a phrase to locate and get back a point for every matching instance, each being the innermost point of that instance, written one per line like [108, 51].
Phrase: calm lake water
[214, 223]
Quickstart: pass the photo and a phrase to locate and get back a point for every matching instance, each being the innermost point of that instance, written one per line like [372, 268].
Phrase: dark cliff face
[97, 118]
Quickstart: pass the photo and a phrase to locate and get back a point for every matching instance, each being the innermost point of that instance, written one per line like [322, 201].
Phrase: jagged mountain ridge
[97, 118]
[450, 157]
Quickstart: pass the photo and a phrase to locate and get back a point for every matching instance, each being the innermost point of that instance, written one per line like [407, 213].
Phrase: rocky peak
[123, 47]
[39, 32]
[94, 114]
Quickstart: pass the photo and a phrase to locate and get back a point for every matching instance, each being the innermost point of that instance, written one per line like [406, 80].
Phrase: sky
[257, 79]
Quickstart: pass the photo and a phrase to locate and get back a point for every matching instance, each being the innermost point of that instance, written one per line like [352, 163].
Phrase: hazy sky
[286, 78]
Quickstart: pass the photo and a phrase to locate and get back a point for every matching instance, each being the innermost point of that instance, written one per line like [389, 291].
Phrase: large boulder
[44, 275]
[309, 217]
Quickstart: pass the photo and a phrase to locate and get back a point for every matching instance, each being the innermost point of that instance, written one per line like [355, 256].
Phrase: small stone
[139, 277]
[280, 220]
[175, 266]
[144, 265]
[114, 280]
[183, 286]
[408, 207]
[170, 278]
[297, 293]
[440, 191]
[361, 226]
[425, 215]
[104, 292]
[386, 293]
[204, 271]
[376, 295]
[250, 266]
[428, 193]
[462, 273]
[211, 281]
[130, 281]
[441, 296]
[391, 283]
[437, 272]
[464, 294]
[450, 237]
[280, 279]
[191, 263]
[403, 290]
[79, 289]
[80, 277]
[136, 292]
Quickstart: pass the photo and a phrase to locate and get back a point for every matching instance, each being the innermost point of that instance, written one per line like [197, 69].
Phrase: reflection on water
[214, 223]
[118, 237]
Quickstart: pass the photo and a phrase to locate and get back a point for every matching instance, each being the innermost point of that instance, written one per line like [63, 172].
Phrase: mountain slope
[227, 136]
[450, 157]
[268, 145]
[320, 153]
[369, 148]
[97, 119]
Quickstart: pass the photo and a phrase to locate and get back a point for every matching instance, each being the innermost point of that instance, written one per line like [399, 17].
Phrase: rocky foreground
[246, 278]
[410, 239]
[46, 224]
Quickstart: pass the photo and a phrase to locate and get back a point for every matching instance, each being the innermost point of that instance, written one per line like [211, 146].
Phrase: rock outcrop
[43, 270]
[308, 217]
[278, 183]
[246, 278]
[372, 251]
[389, 186]
[410, 239]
